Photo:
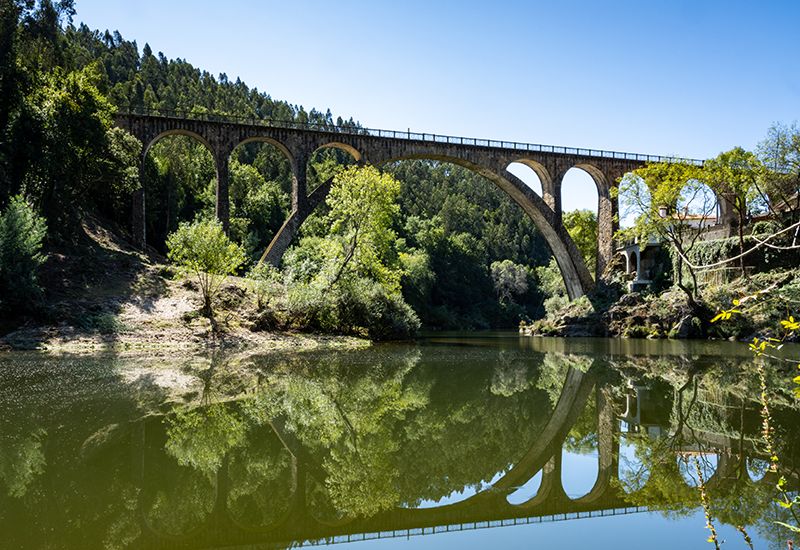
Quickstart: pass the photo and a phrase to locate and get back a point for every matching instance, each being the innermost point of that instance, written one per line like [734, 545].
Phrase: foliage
[260, 205]
[780, 154]
[266, 283]
[509, 279]
[734, 175]
[363, 208]
[669, 202]
[70, 154]
[356, 305]
[582, 228]
[22, 232]
[552, 287]
[201, 439]
[464, 223]
[761, 259]
[203, 249]
[349, 279]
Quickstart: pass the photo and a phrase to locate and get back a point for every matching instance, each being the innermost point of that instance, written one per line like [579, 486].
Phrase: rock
[630, 299]
[682, 329]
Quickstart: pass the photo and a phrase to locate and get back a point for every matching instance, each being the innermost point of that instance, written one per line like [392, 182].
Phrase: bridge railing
[469, 526]
[355, 129]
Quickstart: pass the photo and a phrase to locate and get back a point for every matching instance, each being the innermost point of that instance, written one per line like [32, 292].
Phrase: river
[453, 441]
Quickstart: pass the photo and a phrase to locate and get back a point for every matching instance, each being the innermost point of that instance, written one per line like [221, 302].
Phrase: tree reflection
[21, 460]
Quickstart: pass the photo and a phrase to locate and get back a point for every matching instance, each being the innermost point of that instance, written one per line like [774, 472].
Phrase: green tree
[70, 151]
[349, 279]
[22, 232]
[509, 279]
[664, 198]
[734, 175]
[203, 249]
[582, 227]
[363, 208]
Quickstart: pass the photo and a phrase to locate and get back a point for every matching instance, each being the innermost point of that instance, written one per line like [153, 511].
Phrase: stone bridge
[378, 147]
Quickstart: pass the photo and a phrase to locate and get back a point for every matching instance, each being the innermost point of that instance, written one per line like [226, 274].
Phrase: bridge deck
[407, 135]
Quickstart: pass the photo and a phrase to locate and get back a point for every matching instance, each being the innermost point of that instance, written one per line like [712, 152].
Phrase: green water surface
[455, 441]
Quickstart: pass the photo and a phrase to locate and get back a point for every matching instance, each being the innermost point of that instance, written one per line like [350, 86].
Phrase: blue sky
[689, 78]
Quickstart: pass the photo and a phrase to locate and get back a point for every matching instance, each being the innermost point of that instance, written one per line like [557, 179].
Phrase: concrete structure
[641, 258]
[378, 147]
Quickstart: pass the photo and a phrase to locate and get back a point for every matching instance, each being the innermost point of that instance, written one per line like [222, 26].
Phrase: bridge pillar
[551, 193]
[551, 188]
[283, 238]
[551, 487]
[726, 212]
[607, 438]
[138, 217]
[223, 208]
[607, 223]
[300, 182]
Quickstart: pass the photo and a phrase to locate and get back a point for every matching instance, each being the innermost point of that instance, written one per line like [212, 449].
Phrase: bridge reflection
[312, 513]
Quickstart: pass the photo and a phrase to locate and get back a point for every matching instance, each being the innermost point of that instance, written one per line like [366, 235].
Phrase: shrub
[356, 305]
[203, 249]
[103, 323]
[21, 234]
[265, 282]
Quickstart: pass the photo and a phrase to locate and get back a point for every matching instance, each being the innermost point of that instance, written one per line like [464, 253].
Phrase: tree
[363, 208]
[665, 197]
[22, 232]
[582, 228]
[202, 248]
[68, 146]
[780, 154]
[509, 279]
[348, 279]
[734, 175]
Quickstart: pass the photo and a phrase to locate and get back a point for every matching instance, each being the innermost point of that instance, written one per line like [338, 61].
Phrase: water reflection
[115, 452]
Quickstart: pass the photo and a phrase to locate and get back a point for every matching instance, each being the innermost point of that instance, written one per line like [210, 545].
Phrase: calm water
[452, 442]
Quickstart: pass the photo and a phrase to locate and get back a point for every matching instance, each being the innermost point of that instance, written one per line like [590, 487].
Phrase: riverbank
[765, 299]
[101, 294]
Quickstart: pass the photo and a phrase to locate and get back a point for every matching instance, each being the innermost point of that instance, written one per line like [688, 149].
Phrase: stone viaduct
[378, 147]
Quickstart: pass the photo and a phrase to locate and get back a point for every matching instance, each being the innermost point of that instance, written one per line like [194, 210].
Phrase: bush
[22, 232]
[103, 323]
[265, 282]
[356, 305]
[203, 249]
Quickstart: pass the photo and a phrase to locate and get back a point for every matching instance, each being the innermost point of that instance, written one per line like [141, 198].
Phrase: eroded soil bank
[102, 294]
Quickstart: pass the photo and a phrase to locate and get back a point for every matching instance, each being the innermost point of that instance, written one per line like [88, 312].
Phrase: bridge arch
[176, 132]
[347, 148]
[576, 276]
[541, 172]
[268, 140]
[173, 165]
